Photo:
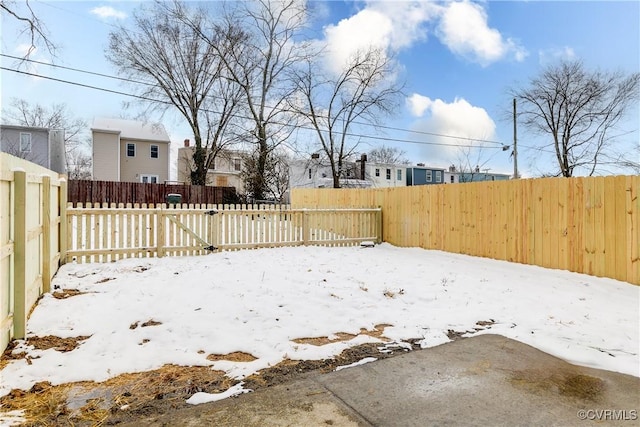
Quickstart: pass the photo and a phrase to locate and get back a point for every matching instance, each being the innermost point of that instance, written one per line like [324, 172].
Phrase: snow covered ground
[259, 301]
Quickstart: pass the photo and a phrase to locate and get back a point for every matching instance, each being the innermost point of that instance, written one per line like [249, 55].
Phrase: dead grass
[377, 332]
[236, 356]
[66, 293]
[119, 399]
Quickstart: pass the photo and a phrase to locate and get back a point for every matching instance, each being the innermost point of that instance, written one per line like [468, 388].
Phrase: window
[149, 179]
[452, 179]
[399, 175]
[154, 151]
[438, 176]
[309, 173]
[388, 173]
[428, 176]
[25, 142]
[212, 165]
[131, 150]
[377, 172]
[237, 164]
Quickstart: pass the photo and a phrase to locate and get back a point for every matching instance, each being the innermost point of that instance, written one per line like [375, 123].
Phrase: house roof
[132, 129]
[19, 127]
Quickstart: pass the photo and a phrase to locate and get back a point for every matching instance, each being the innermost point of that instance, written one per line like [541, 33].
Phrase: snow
[259, 301]
[358, 363]
[201, 397]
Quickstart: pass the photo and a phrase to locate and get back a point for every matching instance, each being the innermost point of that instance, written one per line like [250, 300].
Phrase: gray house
[42, 146]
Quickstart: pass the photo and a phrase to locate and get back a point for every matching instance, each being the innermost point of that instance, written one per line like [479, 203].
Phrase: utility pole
[515, 142]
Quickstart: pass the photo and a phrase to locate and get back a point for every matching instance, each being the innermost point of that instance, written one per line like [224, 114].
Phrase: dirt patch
[56, 343]
[106, 279]
[288, 369]
[377, 332]
[39, 343]
[66, 293]
[149, 322]
[129, 397]
[236, 356]
[481, 325]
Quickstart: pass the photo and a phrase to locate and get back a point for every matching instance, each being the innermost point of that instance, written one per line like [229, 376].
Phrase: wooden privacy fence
[32, 201]
[107, 233]
[586, 225]
[85, 191]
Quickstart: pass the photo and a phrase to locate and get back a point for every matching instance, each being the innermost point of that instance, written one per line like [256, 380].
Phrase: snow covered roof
[132, 129]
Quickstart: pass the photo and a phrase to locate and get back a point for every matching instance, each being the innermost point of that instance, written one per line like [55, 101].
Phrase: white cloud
[418, 104]
[458, 118]
[546, 56]
[465, 31]
[389, 26]
[106, 12]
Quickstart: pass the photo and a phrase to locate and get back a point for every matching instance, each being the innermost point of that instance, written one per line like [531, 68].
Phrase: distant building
[42, 146]
[130, 151]
[225, 170]
[424, 175]
[315, 173]
[386, 175]
[478, 175]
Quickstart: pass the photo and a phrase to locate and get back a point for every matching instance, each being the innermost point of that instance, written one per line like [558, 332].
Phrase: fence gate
[105, 234]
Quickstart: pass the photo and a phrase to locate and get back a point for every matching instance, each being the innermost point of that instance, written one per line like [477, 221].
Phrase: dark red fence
[84, 191]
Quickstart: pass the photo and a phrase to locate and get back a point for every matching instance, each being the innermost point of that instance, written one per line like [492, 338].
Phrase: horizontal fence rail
[105, 233]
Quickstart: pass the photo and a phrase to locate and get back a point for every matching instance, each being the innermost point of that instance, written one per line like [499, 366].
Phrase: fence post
[161, 237]
[63, 238]
[379, 225]
[46, 233]
[305, 222]
[20, 255]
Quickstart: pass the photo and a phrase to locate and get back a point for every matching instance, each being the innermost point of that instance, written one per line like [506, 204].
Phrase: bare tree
[181, 70]
[388, 155]
[259, 52]
[333, 105]
[35, 29]
[79, 165]
[57, 116]
[276, 174]
[577, 108]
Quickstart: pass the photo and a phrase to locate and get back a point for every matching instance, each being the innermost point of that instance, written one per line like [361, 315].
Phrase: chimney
[363, 162]
[186, 142]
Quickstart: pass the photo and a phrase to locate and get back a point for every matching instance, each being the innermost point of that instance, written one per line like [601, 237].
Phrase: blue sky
[457, 60]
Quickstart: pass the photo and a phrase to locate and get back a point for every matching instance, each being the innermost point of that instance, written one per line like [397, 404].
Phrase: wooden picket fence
[586, 225]
[105, 233]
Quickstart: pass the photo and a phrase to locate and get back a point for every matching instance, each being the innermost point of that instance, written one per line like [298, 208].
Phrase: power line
[156, 86]
[351, 134]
